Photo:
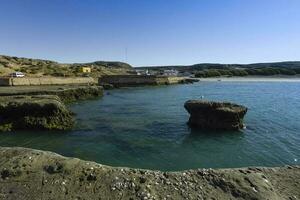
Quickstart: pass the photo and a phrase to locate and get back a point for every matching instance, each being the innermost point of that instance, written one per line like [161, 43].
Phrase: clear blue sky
[154, 32]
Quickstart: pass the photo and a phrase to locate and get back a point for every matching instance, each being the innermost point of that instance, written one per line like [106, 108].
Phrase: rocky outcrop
[43, 112]
[32, 174]
[215, 115]
[77, 93]
[188, 81]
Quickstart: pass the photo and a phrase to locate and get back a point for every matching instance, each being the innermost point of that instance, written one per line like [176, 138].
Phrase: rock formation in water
[215, 115]
[32, 174]
[44, 112]
[43, 108]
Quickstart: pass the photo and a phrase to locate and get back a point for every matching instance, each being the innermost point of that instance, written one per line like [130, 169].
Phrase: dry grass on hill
[37, 67]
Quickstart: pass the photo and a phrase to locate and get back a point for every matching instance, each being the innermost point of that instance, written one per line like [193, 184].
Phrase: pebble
[142, 179]
[254, 189]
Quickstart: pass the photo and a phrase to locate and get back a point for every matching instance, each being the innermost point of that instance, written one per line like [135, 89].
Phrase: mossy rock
[43, 112]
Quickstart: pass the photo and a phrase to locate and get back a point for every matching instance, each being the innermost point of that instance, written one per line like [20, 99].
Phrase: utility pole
[126, 54]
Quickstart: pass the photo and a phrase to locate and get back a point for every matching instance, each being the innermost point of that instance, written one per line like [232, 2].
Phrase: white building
[170, 72]
[142, 72]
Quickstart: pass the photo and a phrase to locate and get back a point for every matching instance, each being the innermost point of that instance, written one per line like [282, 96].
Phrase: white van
[17, 74]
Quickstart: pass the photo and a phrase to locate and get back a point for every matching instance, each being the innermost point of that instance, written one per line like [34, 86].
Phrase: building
[86, 70]
[170, 72]
[142, 72]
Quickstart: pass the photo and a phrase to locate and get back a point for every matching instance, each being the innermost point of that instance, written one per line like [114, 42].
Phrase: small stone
[142, 179]
[91, 177]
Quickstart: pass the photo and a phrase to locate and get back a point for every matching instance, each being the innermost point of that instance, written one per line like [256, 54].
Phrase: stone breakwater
[215, 115]
[140, 80]
[32, 174]
[34, 81]
[65, 93]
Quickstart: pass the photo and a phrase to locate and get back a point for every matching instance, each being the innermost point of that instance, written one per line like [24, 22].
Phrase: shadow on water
[198, 134]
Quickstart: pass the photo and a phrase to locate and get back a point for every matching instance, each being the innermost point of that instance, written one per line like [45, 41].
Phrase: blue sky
[154, 32]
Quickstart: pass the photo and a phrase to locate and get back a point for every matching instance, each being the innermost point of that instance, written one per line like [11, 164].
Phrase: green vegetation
[267, 71]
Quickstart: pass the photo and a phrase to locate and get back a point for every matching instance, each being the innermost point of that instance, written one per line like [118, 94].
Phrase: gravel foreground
[33, 174]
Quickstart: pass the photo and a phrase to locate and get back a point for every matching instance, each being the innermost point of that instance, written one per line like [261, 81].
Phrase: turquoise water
[145, 127]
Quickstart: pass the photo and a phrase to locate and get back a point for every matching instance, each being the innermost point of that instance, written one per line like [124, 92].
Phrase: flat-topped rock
[215, 115]
[43, 112]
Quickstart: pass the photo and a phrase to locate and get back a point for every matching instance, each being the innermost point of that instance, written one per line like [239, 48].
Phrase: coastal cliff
[33, 174]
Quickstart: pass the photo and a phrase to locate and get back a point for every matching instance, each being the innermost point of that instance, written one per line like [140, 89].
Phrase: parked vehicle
[17, 74]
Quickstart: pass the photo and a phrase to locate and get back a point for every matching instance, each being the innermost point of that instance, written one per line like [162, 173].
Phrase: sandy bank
[32, 174]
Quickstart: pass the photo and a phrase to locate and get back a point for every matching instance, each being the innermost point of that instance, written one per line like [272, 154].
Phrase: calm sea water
[146, 127]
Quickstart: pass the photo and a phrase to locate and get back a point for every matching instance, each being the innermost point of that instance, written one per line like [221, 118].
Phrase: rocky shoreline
[33, 174]
[142, 80]
[66, 93]
[42, 108]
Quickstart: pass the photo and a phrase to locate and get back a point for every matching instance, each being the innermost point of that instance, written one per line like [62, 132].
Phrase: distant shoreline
[254, 79]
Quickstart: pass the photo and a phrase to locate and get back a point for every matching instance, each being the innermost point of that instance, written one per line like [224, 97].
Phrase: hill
[38, 67]
[216, 69]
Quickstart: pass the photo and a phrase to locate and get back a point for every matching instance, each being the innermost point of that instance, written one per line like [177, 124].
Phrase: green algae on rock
[43, 112]
[33, 174]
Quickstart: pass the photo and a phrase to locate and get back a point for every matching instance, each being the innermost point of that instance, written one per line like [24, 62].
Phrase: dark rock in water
[188, 81]
[215, 115]
[45, 112]
[107, 86]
